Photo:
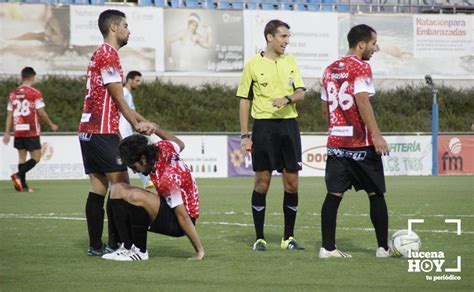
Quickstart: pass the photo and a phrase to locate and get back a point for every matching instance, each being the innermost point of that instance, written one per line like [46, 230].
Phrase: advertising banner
[238, 163]
[409, 155]
[313, 41]
[203, 40]
[220, 156]
[411, 46]
[144, 50]
[37, 35]
[205, 155]
[61, 39]
[456, 155]
[442, 35]
[60, 159]
[314, 155]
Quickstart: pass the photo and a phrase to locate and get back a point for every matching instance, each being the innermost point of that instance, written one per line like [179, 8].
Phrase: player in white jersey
[132, 81]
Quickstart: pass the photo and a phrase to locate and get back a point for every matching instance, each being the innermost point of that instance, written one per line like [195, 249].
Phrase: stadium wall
[220, 156]
[411, 45]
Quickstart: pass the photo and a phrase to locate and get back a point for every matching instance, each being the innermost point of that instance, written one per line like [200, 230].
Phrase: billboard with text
[456, 154]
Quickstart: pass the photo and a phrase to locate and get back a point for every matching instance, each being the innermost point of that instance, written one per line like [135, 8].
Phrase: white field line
[345, 214]
[52, 217]
[270, 214]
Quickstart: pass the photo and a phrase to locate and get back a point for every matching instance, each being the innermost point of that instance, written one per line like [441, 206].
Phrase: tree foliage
[215, 108]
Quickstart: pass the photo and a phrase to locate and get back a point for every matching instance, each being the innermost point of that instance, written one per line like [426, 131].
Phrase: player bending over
[172, 212]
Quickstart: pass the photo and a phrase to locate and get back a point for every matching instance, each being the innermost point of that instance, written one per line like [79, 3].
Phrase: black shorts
[358, 167]
[276, 145]
[166, 222]
[27, 143]
[100, 153]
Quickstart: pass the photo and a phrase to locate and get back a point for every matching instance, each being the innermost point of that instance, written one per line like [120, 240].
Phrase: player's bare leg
[138, 197]
[36, 155]
[22, 155]
[99, 183]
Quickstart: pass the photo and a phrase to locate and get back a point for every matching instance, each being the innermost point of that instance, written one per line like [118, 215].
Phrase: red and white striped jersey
[23, 102]
[342, 80]
[101, 114]
[171, 175]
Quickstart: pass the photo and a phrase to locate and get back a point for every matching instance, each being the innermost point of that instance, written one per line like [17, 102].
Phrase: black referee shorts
[361, 168]
[166, 222]
[27, 143]
[276, 145]
[100, 153]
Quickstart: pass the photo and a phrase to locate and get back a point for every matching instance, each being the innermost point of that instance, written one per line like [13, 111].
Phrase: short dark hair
[132, 148]
[272, 27]
[361, 32]
[107, 17]
[27, 72]
[133, 74]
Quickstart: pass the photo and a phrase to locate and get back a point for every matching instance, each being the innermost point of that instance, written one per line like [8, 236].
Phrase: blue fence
[396, 6]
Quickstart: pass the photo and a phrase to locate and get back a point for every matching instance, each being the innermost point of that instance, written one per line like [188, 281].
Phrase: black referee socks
[290, 208]
[259, 203]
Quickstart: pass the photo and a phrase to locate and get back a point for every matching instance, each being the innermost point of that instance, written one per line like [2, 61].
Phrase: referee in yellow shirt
[272, 83]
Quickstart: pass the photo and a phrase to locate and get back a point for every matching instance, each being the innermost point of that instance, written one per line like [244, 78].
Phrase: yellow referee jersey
[264, 80]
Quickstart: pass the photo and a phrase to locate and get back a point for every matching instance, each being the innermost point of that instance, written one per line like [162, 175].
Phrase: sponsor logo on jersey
[342, 75]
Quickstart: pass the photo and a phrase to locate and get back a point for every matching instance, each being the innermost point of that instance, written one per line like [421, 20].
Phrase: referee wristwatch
[244, 136]
[289, 99]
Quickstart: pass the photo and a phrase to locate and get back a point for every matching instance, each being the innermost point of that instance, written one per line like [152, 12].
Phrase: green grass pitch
[44, 240]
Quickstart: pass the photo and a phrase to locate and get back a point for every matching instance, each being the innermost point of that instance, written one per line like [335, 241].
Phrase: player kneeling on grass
[172, 212]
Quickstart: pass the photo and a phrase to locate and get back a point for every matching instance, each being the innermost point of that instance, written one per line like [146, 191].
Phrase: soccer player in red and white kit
[25, 106]
[355, 144]
[99, 126]
[172, 212]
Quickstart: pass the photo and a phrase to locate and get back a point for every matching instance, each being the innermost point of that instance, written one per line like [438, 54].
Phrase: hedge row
[214, 107]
